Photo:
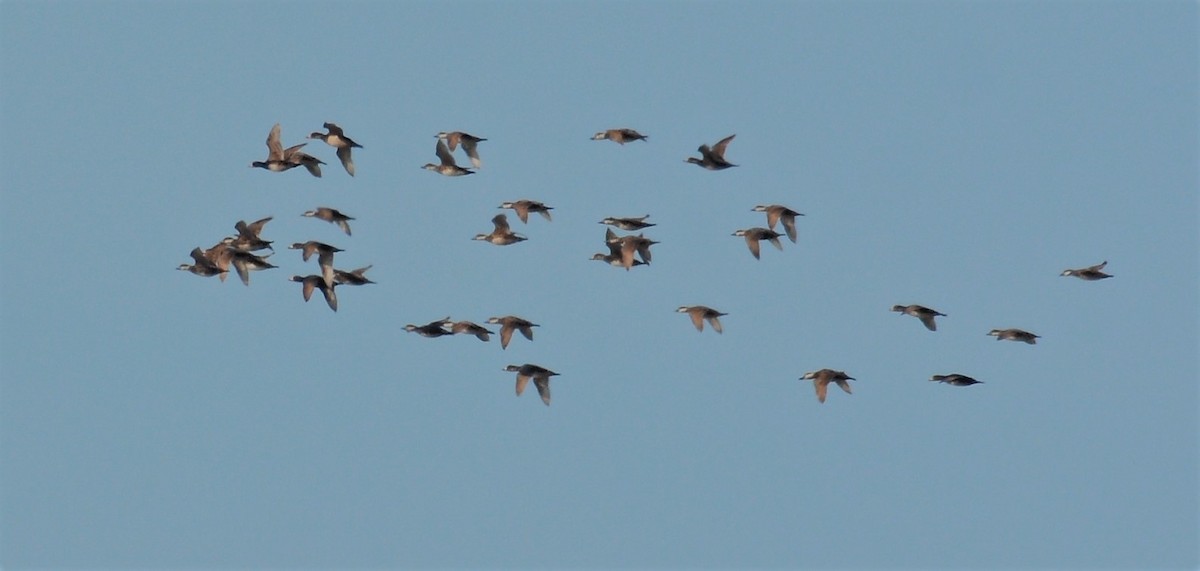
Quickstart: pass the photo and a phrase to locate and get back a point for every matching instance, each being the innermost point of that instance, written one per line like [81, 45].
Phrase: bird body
[1090, 273]
[620, 136]
[540, 375]
[921, 312]
[510, 323]
[713, 159]
[754, 235]
[1014, 335]
[823, 377]
[700, 314]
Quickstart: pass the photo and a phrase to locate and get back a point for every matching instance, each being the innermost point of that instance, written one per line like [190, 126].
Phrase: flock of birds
[625, 252]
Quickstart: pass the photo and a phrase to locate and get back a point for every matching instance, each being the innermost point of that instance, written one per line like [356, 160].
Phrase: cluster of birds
[625, 251]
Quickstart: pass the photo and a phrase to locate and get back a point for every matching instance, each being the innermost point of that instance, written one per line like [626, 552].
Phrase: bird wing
[719, 148]
[443, 154]
[927, 319]
[469, 146]
[330, 296]
[343, 154]
[716, 323]
[274, 147]
[752, 243]
[789, 226]
[522, 381]
[501, 223]
[543, 387]
[697, 319]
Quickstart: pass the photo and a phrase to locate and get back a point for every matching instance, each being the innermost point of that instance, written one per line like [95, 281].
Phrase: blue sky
[958, 155]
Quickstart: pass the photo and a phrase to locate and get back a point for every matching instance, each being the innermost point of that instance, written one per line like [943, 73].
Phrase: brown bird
[280, 159]
[352, 277]
[628, 224]
[313, 282]
[776, 214]
[249, 238]
[502, 234]
[1090, 273]
[627, 246]
[447, 166]
[921, 312]
[700, 313]
[540, 375]
[324, 254]
[337, 139]
[331, 215]
[1015, 335]
[754, 235]
[620, 136]
[469, 143]
[469, 328]
[510, 323]
[204, 266]
[524, 207]
[823, 377]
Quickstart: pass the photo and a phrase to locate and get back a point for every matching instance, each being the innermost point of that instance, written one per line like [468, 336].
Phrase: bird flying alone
[955, 379]
[921, 312]
[823, 377]
[540, 375]
[700, 314]
[1090, 273]
[1014, 335]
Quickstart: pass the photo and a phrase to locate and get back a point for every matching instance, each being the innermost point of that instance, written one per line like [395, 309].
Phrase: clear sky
[958, 155]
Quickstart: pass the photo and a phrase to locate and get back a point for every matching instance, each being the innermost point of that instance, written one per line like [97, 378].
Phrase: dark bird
[1090, 273]
[921, 312]
[540, 375]
[1015, 335]
[313, 282]
[431, 329]
[713, 159]
[338, 140]
[955, 379]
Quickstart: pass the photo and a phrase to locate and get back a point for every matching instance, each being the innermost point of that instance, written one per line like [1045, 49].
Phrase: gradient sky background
[953, 154]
